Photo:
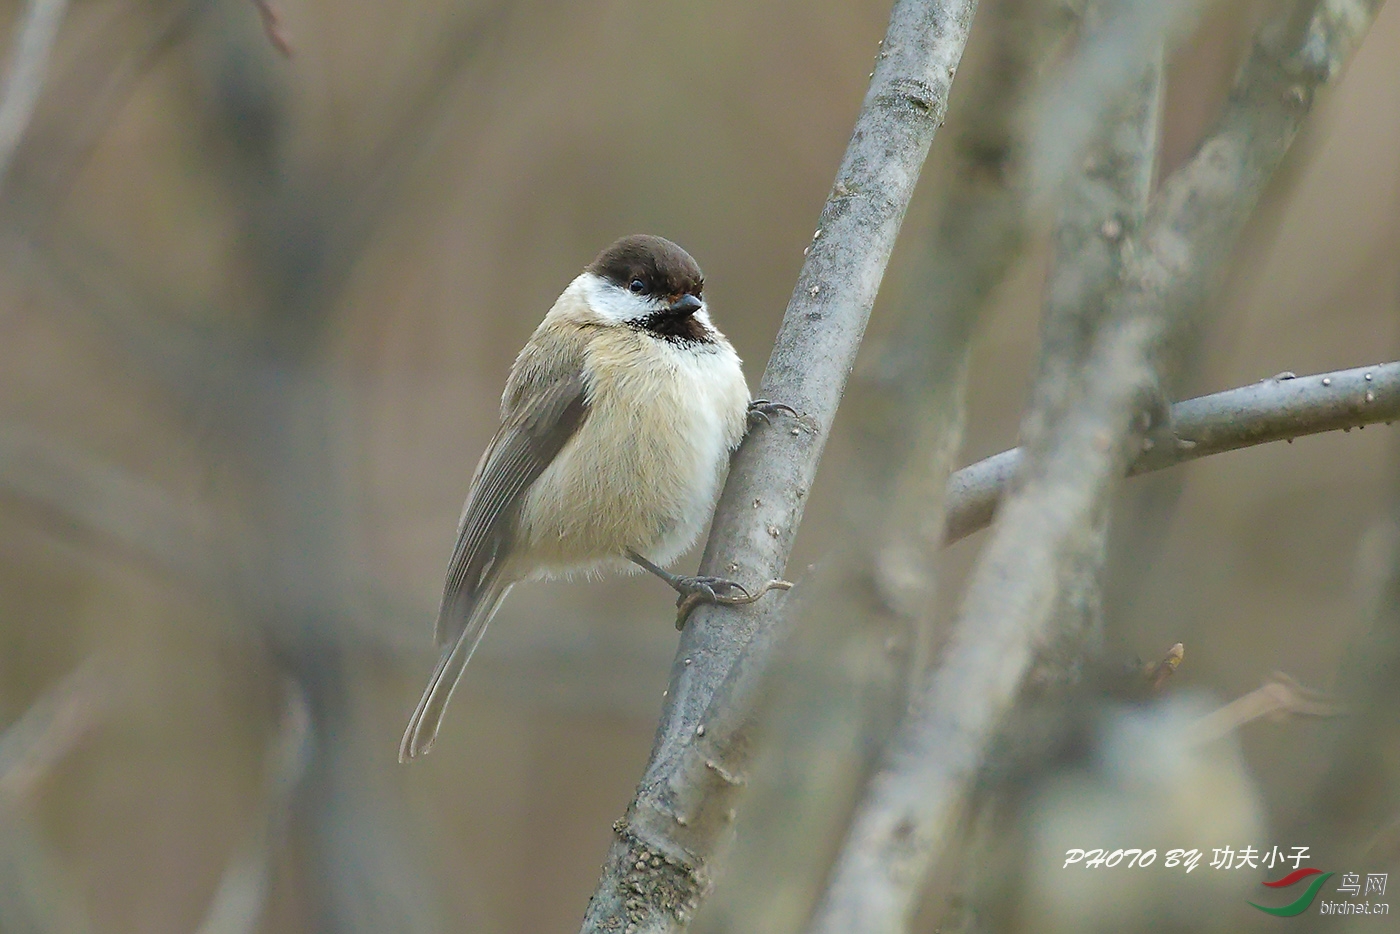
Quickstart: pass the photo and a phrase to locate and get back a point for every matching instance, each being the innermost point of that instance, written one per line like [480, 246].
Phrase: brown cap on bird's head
[663, 269]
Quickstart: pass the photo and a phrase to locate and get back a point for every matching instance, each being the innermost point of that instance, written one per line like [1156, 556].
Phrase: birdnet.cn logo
[1354, 894]
[1349, 893]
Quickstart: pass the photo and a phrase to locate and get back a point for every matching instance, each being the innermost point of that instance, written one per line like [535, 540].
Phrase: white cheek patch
[615, 305]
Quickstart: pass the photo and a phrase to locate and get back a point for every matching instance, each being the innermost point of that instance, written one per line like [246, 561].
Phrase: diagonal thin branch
[1278, 697]
[273, 27]
[32, 745]
[1277, 409]
[1106, 199]
[904, 823]
[137, 516]
[109, 51]
[29, 60]
[656, 870]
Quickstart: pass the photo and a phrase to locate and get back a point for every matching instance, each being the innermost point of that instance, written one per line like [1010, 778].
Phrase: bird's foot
[715, 590]
[761, 410]
[697, 590]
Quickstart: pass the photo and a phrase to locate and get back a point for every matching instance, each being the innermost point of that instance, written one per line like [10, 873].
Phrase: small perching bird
[617, 423]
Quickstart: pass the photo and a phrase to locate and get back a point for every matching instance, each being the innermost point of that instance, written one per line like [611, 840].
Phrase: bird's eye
[637, 287]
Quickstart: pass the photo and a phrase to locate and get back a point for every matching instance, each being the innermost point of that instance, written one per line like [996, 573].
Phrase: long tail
[427, 718]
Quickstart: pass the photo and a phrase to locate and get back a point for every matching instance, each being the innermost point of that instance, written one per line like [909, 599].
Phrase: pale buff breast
[644, 469]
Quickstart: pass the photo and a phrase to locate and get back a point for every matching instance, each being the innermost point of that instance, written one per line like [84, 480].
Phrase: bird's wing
[546, 400]
[545, 403]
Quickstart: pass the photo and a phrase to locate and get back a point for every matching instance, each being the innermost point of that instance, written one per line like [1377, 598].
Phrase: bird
[618, 420]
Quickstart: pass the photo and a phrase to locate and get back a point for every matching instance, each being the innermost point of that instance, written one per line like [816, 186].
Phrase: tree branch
[35, 891]
[656, 870]
[29, 59]
[1105, 199]
[1108, 199]
[138, 517]
[832, 679]
[272, 26]
[904, 823]
[32, 745]
[1278, 409]
[240, 900]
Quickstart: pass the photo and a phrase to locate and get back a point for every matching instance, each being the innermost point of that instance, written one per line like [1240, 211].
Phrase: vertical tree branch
[1353, 814]
[905, 820]
[1106, 203]
[240, 901]
[656, 870]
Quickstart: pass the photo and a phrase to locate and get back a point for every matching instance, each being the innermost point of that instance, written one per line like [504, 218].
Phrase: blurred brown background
[255, 314]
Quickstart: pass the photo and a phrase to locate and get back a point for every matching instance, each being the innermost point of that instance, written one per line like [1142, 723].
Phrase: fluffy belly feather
[645, 467]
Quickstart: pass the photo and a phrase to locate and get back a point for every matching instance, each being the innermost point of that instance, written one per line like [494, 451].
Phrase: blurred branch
[272, 26]
[47, 731]
[29, 59]
[176, 538]
[1278, 409]
[91, 77]
[1278, 697]
[350, 194]
[904, 823]
[856, 634]
[238, 903]
[1106, 201]
[1349, 816]
[1120, 38]
[140, 518]
[255, 384]
[361, 874]
[656, 871]
[35, 895]
[875, 888]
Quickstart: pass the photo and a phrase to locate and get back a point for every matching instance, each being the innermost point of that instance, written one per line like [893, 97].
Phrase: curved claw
[709, 586]
[763, 409]
[703, 591]
[697, 590]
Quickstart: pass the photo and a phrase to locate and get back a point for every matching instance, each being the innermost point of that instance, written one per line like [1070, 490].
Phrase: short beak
[686, 305]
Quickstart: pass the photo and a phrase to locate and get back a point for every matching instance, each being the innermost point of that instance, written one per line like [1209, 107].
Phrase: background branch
[1352, 815]
[239, 903]
[856, 632]
[905, 821]
[36, 895]
[29, 59]
[1276, 409]
[253, 324]
[1106, 200]
[273, 27]
[32, 745]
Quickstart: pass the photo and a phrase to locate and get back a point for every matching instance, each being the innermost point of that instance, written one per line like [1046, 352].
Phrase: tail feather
[423, 726]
